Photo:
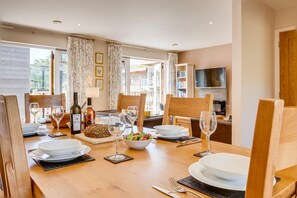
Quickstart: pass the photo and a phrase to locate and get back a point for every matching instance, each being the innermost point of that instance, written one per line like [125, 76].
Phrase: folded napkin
[94, 140]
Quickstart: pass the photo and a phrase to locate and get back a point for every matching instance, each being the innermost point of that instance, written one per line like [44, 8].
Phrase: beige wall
[25, 36]
[212, 57]
[286, 17]
[257, 71]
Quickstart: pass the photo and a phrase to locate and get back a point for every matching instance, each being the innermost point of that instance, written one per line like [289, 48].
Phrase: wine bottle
[89, 115]
[75, 116]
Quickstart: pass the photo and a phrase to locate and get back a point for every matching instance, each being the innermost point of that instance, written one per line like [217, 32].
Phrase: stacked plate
[30, 129]
[170, 131]
[59, 150]
[223, 170]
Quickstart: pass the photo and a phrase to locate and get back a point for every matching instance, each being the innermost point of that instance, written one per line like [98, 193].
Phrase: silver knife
[189, 143]
[165, 191]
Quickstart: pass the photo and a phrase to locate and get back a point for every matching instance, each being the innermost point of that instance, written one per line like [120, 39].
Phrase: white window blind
[15, 73]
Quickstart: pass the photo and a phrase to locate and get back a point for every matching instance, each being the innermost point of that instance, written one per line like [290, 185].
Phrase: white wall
[257, 70]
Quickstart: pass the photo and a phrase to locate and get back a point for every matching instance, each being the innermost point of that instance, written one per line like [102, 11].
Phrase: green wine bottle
[75, 116]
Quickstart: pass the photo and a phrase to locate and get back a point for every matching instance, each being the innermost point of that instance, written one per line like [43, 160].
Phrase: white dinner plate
[39, 155]
[227, 165]
[173, 137]
[168, 129]
[204, 175]
[26, 134]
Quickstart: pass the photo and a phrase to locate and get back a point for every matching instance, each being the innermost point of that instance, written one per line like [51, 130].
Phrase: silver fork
[180, 189]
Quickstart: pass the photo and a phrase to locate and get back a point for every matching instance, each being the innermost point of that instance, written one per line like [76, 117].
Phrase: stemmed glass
[132, 114]
[58, 114]
[116, 127]
[34, 109]
[208, 125]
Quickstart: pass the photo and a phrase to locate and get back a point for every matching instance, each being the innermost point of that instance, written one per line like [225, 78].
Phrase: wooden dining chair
[186, 107]
[13, 161]
[44, 101]
[274, 147]
[131, 100]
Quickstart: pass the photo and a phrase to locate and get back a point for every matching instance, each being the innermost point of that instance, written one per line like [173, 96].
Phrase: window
[28, 69]
[143, 76]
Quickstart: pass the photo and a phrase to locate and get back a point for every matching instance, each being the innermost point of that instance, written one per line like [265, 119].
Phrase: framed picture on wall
[99, 83]
[99, 71]
[98, 58]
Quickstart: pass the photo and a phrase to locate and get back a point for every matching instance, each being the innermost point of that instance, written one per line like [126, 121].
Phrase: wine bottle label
[76, 122]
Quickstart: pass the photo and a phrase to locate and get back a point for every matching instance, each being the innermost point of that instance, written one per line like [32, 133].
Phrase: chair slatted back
[274, 146]
[186, 107]
[44, 101]
[14, 167]
[130, 100]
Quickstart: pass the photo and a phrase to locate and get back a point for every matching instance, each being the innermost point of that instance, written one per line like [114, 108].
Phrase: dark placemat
[53, 136]
[200, 154]
[212, 191]
[36, 134]
[127, 158]
[51, 166]
[182, 138]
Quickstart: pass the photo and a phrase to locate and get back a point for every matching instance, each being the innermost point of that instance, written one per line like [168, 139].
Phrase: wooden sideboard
[223, 132]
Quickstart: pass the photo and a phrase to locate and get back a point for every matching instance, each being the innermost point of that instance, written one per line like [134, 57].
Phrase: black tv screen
[210, 78]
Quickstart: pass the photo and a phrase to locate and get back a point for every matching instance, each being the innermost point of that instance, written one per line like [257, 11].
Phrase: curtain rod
[80, 37]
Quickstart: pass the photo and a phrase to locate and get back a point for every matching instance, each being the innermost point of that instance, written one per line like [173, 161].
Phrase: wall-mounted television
[210, 78]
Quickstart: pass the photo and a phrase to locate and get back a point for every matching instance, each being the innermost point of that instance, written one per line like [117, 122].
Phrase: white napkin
[94, 140]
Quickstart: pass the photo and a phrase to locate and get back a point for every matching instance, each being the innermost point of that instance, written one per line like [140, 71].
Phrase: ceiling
[151, 23]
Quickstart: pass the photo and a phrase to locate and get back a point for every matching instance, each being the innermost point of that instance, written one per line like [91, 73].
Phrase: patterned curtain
[80, 68]
[170, 71]
[114, 73]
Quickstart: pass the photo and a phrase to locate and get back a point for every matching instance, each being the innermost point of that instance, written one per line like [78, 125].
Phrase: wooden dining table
[151, 166]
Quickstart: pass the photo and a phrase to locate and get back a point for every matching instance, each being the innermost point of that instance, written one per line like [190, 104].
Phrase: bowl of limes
[138, 141]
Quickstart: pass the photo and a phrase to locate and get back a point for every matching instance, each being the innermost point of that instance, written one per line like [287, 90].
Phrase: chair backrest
[45, 101]
[14, 167]
[274, 146]
[186, 107]
[128, 100]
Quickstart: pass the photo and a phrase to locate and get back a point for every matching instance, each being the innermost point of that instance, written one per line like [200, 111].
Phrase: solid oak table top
[152, 166]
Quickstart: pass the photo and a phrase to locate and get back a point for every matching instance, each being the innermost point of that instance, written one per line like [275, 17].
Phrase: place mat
[200, 154]
[127, 158]
[36, 134]
[95, 140]
[182, 138]
[53, 136]
[212, 191]
[55, 165]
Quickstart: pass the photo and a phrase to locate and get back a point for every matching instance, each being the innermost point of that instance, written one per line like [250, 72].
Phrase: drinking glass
[208, 125]
[58, 114]
[132, 114]
[34, 109]
[116, 127]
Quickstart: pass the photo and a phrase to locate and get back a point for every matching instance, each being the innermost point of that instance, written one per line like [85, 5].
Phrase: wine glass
[116, 127]
[208, 125]
[132, 114]
[34, 109]
[58, 114]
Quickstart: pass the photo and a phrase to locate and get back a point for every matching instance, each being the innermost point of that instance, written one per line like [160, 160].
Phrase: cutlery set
[176, 187]
[188, 142]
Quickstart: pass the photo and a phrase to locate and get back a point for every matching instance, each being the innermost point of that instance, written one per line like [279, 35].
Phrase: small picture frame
[99, 83]
[98, 58]
[99, 71]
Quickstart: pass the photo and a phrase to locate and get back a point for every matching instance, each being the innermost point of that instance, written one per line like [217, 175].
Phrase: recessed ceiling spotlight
[57, 22]
[78, 24]
[211, 22]
[175, 44]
